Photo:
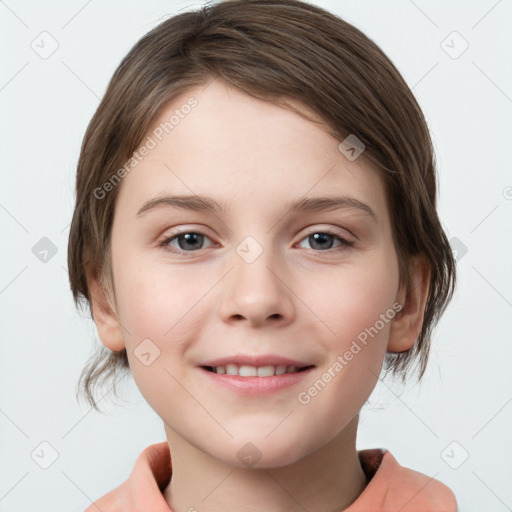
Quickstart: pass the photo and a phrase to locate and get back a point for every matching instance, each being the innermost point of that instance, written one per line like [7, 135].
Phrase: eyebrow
[210, 205]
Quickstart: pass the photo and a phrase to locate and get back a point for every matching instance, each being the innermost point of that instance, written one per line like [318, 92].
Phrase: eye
[323, 241]
[187, 242]
[191, 241]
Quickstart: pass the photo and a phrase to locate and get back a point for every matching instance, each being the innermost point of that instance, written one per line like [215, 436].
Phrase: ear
[407, 323]
[105, 318]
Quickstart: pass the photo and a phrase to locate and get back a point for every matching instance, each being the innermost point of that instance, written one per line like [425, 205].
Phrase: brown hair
[272, 50]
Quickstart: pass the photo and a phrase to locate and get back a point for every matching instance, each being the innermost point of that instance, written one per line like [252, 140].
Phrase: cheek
[156, 308]
[152, 300]
[351, 300]
[357, 308]
[167, 306]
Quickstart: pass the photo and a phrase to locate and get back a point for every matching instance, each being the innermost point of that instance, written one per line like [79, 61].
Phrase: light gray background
[46, 104]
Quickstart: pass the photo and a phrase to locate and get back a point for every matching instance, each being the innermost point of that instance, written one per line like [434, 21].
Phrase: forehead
[243, 150]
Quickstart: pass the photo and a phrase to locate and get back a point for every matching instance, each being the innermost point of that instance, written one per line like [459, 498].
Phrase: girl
[284, 145]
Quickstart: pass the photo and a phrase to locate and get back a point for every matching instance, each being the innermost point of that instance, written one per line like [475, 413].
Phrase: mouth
[254, 371]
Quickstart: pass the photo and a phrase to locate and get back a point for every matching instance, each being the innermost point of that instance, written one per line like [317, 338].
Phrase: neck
[327, 480]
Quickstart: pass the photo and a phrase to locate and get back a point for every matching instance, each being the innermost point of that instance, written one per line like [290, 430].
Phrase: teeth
[253, 371]
[281, 369]
[248, 371]
[264, 371]
[231, 369]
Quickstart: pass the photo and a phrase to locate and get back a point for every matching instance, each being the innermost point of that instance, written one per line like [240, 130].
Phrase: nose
[257, 293]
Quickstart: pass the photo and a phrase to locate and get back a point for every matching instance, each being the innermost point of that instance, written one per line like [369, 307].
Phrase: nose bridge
[255, 289]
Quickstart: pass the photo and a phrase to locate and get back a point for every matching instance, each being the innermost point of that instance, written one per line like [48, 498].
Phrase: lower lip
[257, 385]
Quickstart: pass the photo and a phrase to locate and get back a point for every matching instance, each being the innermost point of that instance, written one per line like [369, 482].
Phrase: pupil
[190, 238]
[321, 236]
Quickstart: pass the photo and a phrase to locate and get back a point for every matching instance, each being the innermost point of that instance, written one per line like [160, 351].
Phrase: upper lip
[255, 360]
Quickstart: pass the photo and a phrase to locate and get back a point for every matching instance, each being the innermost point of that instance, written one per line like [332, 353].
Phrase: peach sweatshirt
[391, 487]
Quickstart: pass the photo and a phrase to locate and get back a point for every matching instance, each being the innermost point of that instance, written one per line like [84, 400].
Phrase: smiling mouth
[253, 371]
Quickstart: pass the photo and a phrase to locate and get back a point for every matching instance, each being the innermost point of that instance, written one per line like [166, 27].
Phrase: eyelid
[182, 229]
[333, 230]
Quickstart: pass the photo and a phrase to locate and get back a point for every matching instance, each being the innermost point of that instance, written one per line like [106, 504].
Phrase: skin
[297, 299]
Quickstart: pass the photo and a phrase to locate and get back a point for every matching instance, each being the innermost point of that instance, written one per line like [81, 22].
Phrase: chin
[259, 452]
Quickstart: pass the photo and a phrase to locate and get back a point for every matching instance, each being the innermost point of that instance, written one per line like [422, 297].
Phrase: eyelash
[345, 244]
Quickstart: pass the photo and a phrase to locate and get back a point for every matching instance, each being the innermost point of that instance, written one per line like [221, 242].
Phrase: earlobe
[407, 323]
[109, 328]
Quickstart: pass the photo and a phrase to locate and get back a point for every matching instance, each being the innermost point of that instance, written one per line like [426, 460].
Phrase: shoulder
[394, 487]
[115, 500]
[142, 490]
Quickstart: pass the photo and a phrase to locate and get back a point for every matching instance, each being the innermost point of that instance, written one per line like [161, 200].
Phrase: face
[253, 281]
